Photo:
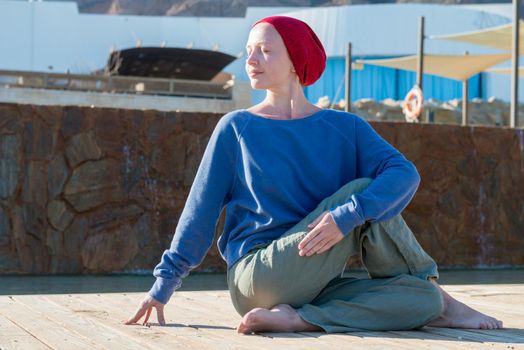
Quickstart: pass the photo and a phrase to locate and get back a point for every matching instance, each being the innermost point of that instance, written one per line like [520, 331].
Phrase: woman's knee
[344, 193]
[435, 301]
[357, 185]
[429, 296]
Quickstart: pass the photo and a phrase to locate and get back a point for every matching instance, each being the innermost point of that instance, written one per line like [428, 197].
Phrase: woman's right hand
[146, 306]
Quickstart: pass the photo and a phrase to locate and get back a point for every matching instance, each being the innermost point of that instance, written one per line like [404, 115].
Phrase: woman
[305, 188]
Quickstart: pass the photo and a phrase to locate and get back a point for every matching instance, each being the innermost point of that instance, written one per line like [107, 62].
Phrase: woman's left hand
[324, 234]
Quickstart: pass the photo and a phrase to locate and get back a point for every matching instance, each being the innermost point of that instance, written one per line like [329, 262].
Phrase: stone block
[162, 126]
[109, 251]
[39, 140]
[35, 185]
[74, 237]
[73, 120]
[93, 184]
[109, 126]
[34, 220]
[82, 147]
[9, 164]
[10, 146]
[132, 170]
[18, 223]
[9, 173]
[55, 241]
[109, 217]
[5, 227]
[10, 121]
[59, 215]
[57, 173]
[149, 247]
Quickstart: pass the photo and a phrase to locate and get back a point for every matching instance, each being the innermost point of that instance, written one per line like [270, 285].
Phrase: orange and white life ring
[413, 104]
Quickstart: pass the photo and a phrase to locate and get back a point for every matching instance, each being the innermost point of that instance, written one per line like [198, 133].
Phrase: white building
[53, 36]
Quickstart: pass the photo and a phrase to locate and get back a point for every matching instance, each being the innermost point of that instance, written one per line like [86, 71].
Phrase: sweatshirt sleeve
[395, 181]
[195, 230]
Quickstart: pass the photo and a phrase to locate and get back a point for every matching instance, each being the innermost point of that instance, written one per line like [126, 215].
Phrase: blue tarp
[380, 83]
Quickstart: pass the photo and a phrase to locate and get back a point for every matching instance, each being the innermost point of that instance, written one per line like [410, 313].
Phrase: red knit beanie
[304, 47]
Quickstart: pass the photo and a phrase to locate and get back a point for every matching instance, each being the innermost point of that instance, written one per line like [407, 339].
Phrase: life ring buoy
[413, 104]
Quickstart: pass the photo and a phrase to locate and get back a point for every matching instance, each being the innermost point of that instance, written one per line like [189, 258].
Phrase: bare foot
[280, 318]
[459, 315]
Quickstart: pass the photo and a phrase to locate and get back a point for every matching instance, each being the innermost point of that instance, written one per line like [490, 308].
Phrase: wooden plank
[351, 341]
[14, 337]
[207, 319]
[391, 339]
[206, 306]
[108, 337]
[450, 341]
[209, 300]
[112, 317]
[189, 320]
[360, 340]
[462, 334]
[394, 340]
[379, 339]
[511, 335]
[39, 326]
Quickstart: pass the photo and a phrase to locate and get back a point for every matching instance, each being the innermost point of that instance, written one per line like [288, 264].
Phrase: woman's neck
[285, 106]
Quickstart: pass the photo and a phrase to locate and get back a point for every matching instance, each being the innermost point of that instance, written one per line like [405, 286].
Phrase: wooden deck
[206, 319]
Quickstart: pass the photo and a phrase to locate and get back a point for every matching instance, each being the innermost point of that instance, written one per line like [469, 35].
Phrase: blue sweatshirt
[269, 174]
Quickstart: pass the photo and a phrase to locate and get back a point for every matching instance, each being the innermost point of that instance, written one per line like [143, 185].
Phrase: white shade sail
[505, 70]
[499, 37]
[448, 66]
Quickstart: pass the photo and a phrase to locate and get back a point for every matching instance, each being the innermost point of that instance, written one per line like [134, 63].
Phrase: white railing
[116, 84]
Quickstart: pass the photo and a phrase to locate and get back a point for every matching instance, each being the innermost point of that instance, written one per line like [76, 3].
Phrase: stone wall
[86, 190]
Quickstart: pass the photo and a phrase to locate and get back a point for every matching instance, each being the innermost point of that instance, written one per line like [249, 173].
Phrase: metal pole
[465, 120]
[347, 107]
[515, 67]
[465, 97]
[420, 68]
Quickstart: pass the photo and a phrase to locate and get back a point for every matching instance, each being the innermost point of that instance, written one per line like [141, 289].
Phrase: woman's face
[268, 64]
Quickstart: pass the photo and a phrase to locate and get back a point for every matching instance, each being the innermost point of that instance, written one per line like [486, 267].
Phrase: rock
[109, 127]
[72, 121]
[126, 204]
[10, 121]
[34, 221]
[39, 140]
[18, 223]
[94, 183]
[9, 164]
[85, 201]
[50, 115]
[35, 185]
[55, 241]
[5, 227]
[9, 262]
[136, 168]
[9, 174]
[169, 159]
[59, 215]
[109, 251]
[143, 231]
[74, 239]
[149, 247]
[82, 147]
[9, 146]
[110, 217]
[161, 127]
[57, 174]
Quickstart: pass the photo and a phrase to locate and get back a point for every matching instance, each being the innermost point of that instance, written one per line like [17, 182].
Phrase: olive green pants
[397, 296]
